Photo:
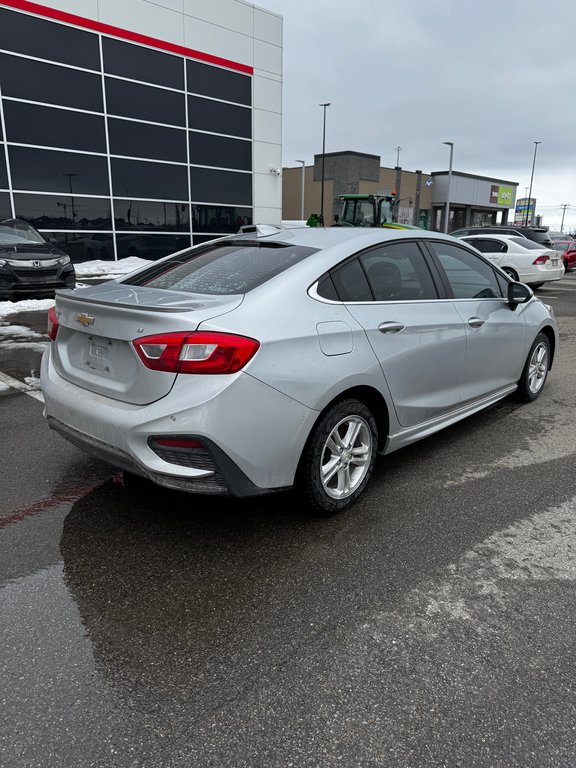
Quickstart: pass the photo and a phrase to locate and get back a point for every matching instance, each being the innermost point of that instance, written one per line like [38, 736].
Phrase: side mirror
[518, 293]
[52, 240]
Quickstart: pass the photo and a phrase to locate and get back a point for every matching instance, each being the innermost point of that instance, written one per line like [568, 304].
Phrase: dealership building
[137, 127]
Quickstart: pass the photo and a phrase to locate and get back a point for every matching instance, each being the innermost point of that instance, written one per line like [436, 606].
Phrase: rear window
[540, 237]
[222, 269]
[530, 245]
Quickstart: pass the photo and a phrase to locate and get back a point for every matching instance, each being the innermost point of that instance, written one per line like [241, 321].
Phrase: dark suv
[538, 234]
[29, 264]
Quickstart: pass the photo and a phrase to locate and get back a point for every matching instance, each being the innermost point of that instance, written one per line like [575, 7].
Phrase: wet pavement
[431, 626]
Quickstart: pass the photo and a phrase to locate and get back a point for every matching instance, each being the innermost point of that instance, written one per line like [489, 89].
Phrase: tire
[535, 371]
[510, 272]
[347, 430]
[566, 265]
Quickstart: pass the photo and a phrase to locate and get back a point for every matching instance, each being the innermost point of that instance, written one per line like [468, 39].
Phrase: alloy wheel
[346, 457]
[538, 368]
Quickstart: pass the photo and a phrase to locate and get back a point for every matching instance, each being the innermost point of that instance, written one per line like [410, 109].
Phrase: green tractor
[369, 211]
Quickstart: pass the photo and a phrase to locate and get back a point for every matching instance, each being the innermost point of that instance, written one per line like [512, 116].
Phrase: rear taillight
[52, 323]
[542, 259]
[196, 352]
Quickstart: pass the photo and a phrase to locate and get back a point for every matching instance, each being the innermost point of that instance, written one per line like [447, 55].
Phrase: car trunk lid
[96, 327]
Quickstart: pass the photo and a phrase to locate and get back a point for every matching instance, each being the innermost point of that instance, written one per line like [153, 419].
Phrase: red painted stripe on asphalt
[47, 504]
[125, 34]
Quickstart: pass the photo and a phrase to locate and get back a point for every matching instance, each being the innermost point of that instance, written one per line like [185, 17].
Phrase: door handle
[476, 322]
[391, 327]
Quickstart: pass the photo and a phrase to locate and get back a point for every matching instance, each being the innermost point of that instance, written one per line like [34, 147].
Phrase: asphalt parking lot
[432, 625]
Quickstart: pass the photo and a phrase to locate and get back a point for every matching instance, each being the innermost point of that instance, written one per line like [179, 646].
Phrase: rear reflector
[52, 324]
[177, 442]
[196, 352]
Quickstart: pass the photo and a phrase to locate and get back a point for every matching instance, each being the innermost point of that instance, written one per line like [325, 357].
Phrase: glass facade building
[115, 148]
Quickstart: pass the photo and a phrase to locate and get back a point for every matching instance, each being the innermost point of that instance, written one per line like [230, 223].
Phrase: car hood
[26, 251]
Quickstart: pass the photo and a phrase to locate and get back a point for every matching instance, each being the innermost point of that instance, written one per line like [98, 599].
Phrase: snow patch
[26, 305]
[114, 268]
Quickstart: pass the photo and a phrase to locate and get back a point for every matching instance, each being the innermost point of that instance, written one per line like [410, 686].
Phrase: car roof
[495, 236]
[326, 237]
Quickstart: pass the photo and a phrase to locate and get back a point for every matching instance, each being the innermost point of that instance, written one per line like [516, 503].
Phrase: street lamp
[70, 175]
[302, 189]
[447, 217]
[398, 150]
[531, 180]
[326, 104]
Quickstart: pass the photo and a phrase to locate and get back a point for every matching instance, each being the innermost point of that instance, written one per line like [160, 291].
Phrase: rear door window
[398, 272]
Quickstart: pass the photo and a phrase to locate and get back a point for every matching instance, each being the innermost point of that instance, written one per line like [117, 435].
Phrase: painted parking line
[21, 387]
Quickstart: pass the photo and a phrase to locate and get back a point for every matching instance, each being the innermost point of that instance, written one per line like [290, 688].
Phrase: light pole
[302, 189]
[398, 150]
[69, 175]
[447, 216]
[531, 180]
[324, 106]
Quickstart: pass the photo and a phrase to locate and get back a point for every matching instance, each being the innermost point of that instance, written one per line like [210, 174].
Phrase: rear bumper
[254, 434]
[543, 274]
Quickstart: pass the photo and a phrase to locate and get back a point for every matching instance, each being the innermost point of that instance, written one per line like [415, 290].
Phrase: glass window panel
[144, 102]
[351, 283]
[221, 152]
[218, 83]
[84, 246]
[36, 81]
[220, 186]
[3, 173]
[48, 40]
[150, 246]
[150, 215]
[63, 211]
[133, 178]
[222, 219]
[139, 63]
[398, 272]
[199, 239]
[5, 209]
[45, 170]
[142, 140]
[469, 276]
[31, 124]
[206, 115]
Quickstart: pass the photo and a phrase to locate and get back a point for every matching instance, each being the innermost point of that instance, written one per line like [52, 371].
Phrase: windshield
[358, 213]
[223, 269]
[14, 232]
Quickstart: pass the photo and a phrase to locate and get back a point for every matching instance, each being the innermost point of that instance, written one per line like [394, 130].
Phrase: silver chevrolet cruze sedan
[289, 357]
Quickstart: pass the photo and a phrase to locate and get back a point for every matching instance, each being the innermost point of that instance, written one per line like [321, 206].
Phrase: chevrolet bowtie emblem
[86, 320]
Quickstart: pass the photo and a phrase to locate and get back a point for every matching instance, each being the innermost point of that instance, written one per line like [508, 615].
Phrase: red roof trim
[125, 34]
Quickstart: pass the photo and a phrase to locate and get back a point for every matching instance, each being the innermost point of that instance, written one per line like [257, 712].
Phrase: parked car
[29, 264]
[289, 357]
[567, 250]
[520, 258]
[560, 237]
[539, 235]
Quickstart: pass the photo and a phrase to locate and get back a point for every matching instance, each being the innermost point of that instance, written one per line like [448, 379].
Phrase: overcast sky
[493, 77]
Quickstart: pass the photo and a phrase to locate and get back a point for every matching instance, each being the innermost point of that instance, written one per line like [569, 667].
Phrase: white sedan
[522, 259]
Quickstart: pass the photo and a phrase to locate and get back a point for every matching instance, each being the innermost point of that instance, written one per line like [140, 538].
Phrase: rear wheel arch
[339, 455]
[372, 399]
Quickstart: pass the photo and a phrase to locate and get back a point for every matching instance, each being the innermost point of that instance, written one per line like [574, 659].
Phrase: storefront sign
[501, 195]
